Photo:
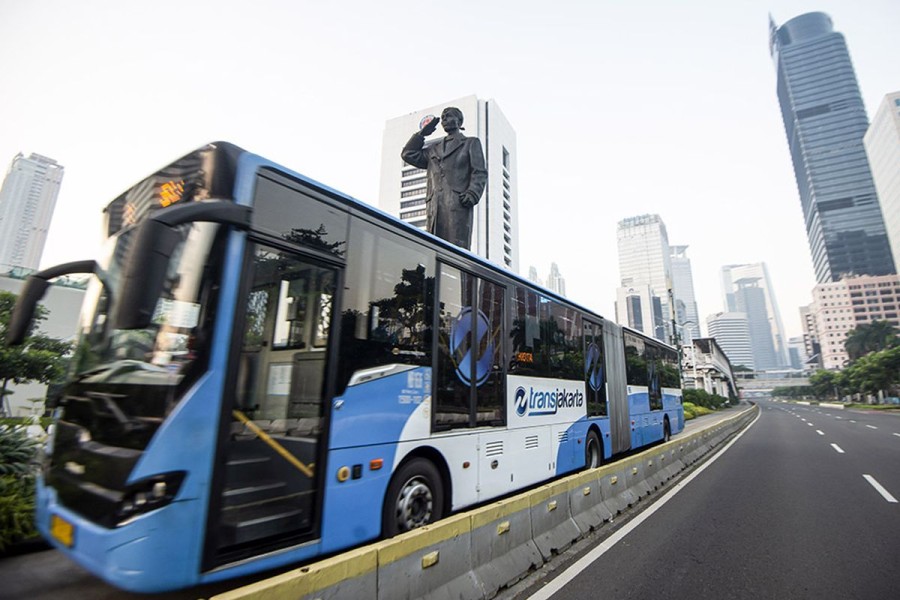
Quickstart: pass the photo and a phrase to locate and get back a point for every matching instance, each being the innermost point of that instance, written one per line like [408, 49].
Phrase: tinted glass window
[387, 315]
[293, 215]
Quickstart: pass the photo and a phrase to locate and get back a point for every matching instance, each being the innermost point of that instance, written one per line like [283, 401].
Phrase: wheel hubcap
[414, 505]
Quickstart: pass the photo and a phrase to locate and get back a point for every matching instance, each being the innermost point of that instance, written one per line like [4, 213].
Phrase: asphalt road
[802, 505]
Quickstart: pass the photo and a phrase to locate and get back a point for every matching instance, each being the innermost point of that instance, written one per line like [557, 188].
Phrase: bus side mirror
[35, 287]
[143, 278]
[144, 273]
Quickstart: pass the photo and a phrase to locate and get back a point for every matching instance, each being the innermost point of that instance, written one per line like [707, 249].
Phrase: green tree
[829, 383]
[871, 337]
[40, 358]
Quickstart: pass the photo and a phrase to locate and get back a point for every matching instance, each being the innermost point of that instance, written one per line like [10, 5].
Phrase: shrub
[18, 466]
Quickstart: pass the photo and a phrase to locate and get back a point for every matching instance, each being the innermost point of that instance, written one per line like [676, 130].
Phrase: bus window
[594, 372]
[469, 373]
[386, 317]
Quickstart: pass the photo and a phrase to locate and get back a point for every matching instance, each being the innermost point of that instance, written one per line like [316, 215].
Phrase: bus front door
[267, 486]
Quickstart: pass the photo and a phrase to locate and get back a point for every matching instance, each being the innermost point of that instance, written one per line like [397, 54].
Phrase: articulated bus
[269, 371]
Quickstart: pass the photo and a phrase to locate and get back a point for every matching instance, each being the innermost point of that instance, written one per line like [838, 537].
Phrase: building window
[412, 182]
[505, 158]
[411, 203]
[415, 192]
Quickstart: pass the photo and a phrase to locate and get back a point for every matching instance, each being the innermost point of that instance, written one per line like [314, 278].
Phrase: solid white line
[838, 448]
[871, 427]
[886, 494]
[584, 562]
[820, 432]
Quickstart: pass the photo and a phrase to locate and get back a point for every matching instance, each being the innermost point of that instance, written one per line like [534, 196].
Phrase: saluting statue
[456, 176]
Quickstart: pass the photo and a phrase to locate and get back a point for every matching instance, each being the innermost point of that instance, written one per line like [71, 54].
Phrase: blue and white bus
[269, 371]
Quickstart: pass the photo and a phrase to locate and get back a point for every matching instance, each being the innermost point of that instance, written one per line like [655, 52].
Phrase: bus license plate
[62, 531]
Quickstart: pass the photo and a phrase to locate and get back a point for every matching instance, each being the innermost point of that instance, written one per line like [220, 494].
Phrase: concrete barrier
[503, 548]
[552, 526]
[474, 555]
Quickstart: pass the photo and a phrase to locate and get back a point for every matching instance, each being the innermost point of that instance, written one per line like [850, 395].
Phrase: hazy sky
[620, 108]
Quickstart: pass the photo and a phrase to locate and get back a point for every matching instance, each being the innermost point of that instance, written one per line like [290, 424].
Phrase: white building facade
[686, 312]
[731, 331]
[645, 260]
[27, 200]
[402, 193]
[882, 143]
[843, 305]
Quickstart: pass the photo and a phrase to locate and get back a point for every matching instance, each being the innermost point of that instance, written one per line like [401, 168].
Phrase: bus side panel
[672, 405]
[639, 411]
[367, 424]
[577, 433]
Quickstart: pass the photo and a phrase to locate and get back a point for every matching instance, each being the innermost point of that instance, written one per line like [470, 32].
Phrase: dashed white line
[871, 427]
[897, 434]
[852, 421]
[838, 448]
[599, 550]
[878, 487]
[820, 432]
[839, 418]
[810, 424]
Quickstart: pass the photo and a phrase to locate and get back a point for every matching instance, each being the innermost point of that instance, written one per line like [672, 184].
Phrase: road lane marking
[878, 488]
[820, 432]
[838, 448]
[897, 434]
[839, 418]
[810, 424]
[852, 421]
[585, 561]
[871, 427]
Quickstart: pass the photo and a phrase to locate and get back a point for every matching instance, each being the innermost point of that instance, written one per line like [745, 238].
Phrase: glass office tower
[825, 121]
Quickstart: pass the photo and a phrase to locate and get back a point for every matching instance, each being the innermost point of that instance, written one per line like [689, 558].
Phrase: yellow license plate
[62, 531]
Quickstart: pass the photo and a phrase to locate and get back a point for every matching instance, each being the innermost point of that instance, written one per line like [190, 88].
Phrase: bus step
[255, 522]
[253, 492]
[246, 467]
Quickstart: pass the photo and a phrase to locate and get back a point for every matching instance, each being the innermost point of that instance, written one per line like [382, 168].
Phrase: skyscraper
[825, 120]
[645, 260]
[686, 313]
[767, 315]
[555, 281]
[495, 233]
[882, 143]
[732, 332]
[27, 200]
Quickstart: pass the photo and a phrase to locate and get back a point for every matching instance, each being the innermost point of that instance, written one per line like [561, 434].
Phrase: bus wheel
[667, 431]
[414, 498]
[593, 452]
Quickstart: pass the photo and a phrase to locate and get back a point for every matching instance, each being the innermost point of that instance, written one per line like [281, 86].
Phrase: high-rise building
[758, 273]
[495, 226]
[534, 277]
[882, 143]
[637, 307]
[645, 260]
[556, 282]
[686, 313]
[825, 121]
[750, 299]
[843, 305]
[732, 333]
[27, 200]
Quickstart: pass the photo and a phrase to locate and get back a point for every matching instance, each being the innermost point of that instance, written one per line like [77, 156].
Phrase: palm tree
[870, 337]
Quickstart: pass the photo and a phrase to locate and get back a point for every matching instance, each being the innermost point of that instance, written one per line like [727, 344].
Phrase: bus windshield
[123, 383]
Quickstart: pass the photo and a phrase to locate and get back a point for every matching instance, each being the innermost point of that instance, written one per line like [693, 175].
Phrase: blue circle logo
[463, 344]
[521, 402]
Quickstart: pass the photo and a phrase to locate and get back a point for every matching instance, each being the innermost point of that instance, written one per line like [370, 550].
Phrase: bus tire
[415, 497]
[667, 430]
[593, 451]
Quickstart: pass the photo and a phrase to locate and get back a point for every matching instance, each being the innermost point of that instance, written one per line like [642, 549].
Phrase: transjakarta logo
[533, 403]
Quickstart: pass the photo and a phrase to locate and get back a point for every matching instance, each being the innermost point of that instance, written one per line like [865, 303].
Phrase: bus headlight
[148, 494]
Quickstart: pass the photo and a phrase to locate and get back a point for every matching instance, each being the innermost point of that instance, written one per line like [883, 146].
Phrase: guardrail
[474, 555]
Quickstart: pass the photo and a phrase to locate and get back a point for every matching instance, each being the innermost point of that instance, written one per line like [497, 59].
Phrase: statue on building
[456, 176]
